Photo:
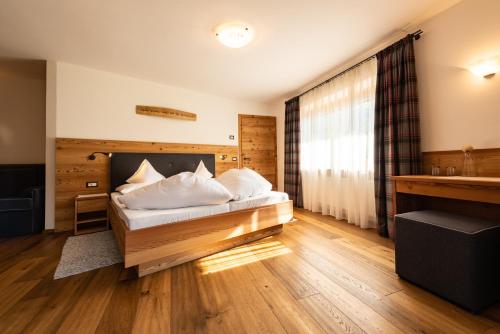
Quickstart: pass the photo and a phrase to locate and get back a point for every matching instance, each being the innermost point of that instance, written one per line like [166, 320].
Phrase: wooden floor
[318, 276]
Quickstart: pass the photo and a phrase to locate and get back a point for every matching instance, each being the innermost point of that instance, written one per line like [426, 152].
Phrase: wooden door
[257, 145]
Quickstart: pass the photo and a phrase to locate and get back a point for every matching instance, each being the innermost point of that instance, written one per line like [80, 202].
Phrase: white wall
[88, 103]
[22, 119]
[101, 105]
[279, 108]
[457, 107]
[50, 143]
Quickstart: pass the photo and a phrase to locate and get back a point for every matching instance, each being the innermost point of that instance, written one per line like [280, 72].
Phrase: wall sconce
[223, 157]
[92, 156]
[486, 68]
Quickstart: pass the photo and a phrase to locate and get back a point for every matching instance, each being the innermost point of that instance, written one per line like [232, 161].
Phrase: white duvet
[182, 190]
[243, 183]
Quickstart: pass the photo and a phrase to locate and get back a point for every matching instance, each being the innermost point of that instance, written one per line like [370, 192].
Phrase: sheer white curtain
[337, 153]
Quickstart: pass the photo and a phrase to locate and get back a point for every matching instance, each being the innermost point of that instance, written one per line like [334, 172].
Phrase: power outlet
[234, 158]
[92, 184]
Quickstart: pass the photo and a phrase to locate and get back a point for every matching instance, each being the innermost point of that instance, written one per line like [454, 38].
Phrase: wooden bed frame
[160, 247]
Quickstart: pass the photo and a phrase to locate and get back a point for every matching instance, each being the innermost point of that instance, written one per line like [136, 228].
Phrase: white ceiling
[171, 41]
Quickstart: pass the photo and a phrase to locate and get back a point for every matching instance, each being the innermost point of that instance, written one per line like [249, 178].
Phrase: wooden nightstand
[91, 213]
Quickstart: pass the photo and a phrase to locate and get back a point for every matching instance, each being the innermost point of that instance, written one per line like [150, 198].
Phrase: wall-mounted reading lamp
[223, 157]
[92, 156]
[486, 68]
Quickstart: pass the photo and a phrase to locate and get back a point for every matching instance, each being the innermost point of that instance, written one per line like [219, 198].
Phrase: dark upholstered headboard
[123, 165]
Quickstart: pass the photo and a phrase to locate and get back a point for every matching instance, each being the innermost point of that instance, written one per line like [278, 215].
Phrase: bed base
[160, 247]
[176, 259]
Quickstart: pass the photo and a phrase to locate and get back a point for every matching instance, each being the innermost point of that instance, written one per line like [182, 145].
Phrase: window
[337, 146]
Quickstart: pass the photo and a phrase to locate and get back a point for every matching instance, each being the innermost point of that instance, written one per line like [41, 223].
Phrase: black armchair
[22, 201]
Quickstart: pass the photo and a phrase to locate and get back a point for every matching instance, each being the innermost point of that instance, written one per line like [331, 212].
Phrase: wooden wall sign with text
[165, 112]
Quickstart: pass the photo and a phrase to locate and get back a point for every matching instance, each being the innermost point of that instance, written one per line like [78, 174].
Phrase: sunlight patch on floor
[242, 255]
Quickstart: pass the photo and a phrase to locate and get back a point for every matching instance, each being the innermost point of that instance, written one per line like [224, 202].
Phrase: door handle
[247, 159]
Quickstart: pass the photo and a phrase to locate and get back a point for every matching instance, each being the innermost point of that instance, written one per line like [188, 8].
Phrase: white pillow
[128, 187]
[178, 191]
[203, 171]
[145, 174]
[243, 183]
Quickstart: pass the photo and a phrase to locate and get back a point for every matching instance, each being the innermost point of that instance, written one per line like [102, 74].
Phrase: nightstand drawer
[90, 205]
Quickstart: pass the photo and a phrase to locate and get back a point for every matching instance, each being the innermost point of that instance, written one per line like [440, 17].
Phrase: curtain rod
[415, 35]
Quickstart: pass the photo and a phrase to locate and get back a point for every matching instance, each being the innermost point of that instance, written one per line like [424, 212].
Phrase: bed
[154, 240]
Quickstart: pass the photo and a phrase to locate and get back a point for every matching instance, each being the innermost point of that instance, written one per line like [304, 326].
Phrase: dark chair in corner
[453, 256]
[22, 199]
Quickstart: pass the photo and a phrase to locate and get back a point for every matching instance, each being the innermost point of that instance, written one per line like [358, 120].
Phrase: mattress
[272, 197]
[137, 219]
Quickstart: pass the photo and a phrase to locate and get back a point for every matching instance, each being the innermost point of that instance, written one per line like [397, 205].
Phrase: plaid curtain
[293, 183]
[397, 126]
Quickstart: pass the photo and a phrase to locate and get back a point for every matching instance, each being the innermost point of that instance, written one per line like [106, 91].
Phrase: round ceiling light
[234, 35]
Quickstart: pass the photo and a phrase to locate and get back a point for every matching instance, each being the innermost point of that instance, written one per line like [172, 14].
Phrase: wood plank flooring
[318, 276]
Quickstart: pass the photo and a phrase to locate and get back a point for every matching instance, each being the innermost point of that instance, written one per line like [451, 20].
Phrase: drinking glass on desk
[450, 171]
[435, 170]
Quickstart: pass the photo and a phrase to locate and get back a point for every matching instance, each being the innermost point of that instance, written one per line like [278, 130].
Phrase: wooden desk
[472, 196]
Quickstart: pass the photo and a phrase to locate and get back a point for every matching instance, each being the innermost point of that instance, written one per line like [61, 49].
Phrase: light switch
[92, 184]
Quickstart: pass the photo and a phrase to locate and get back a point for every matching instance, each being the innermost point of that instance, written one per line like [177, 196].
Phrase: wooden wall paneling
[73, 169]
[487, 161]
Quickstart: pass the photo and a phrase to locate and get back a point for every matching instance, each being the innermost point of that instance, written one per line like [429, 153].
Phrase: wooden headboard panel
[73, 169]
